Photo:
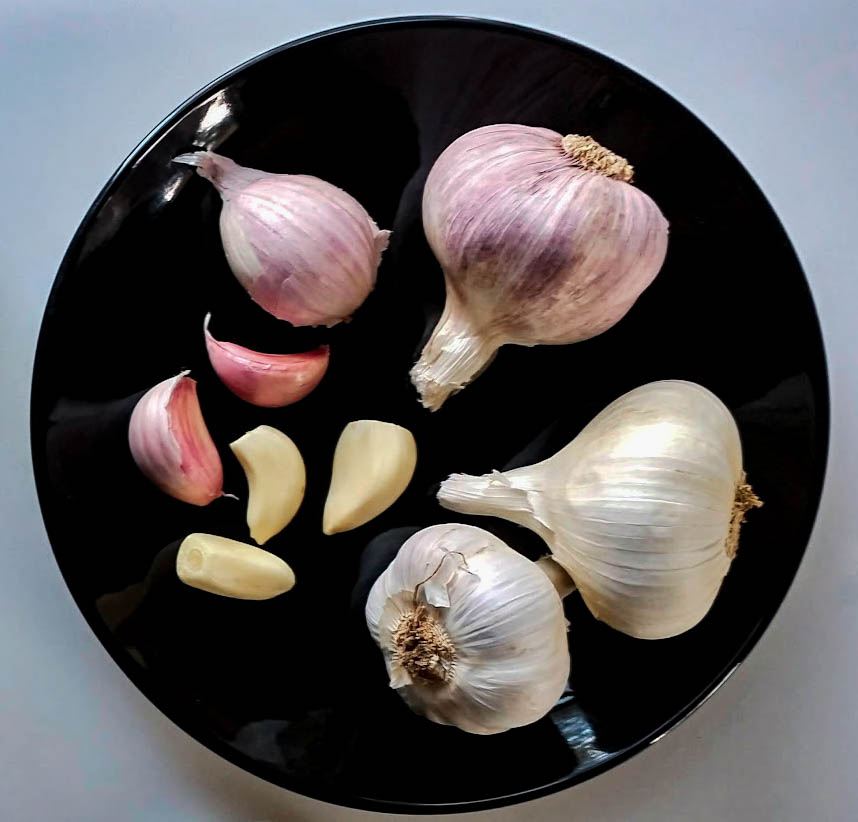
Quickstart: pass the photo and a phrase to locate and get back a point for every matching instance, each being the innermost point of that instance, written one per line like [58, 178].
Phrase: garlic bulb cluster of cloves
[472, 632]
[542, 240]
[642, 509]
[304, 250]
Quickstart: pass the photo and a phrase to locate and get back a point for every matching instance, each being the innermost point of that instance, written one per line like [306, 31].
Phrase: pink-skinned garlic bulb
[267, 380]
[305, 250]
[171, 444]
[542, 240]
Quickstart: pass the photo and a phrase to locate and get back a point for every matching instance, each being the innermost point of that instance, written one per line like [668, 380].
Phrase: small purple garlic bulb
[542, 240]
[306, 251]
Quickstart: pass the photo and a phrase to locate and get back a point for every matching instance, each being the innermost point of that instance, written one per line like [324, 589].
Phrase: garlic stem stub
[542, 240]
[304, 250]
[171, 444]
[473, 633]
[373, 463]
[642, 509]
[276, 479]
[232, 569]
[267, 380]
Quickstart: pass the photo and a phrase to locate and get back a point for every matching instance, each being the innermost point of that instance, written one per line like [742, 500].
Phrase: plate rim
[148, 685]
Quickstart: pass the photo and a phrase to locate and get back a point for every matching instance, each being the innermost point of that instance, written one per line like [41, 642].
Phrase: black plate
[291, 689]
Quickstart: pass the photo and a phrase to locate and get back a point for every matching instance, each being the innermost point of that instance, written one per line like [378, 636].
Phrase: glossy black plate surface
[292, 689]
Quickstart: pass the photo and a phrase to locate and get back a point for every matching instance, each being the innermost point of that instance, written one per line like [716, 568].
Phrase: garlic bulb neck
[423, 648]
[454, 355]
[498, 494]
[592, 156]
[560, 579]
[743, 502]
[224, 174]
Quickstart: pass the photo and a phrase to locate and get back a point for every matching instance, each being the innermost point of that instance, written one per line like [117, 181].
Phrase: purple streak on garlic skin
[305, 250]
[171, 445]
[268, 380]
[535, 248]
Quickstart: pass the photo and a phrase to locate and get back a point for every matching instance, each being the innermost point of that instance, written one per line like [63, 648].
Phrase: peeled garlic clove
[171, 444]
[268, 380]
[473, 633]
[373, 464]
[276, 480]
[542, 240]
[232, 569]
[642, 509]
[306, 251]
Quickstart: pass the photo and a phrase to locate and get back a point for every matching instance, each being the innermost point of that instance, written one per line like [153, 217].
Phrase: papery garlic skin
[473, 633]
[171, 444]
[276, 480]
[374, 462]
[642, 509]
[305, 250]
[267, 380]
[542, 240]
[232, 569]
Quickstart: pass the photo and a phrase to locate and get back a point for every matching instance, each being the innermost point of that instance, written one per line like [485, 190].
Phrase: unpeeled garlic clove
[373, 464]
[276, 479]
[232, 569]
[171, 445]
[268, 380]
[305, 250]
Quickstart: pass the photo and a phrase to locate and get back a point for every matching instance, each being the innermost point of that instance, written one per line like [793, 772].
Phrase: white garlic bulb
[642, 509]
[472, 632]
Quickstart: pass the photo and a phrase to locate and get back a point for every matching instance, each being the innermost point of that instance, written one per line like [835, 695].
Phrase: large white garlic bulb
[642, 509]
[472, 632]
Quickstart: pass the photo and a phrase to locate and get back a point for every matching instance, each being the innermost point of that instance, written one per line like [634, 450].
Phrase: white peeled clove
[276, 479]
[232, 569]
[473, 633]
[304, 250]
[268, 380]
[171, 445]
[542, 240]
[642, 509]
[373, 464]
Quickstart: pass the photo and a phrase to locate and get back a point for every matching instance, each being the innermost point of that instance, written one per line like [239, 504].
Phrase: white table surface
[84, 80]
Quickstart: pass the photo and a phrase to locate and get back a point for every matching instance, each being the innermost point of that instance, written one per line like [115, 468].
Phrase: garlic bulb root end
[592, 156]
[421, 646]
[744, 500]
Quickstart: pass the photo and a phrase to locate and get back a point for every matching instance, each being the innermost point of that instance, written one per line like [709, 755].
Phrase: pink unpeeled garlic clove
[171, 445]
[305, 250]
[268, 380]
